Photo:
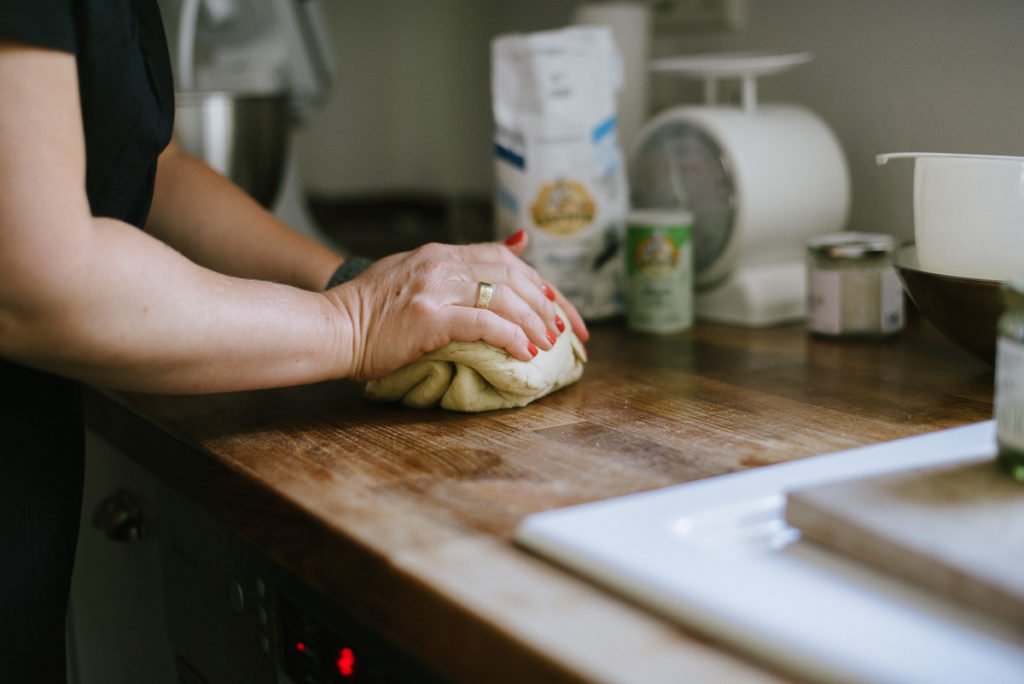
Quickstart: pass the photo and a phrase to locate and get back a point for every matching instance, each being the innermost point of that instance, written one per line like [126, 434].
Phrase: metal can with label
[659, 270]
[1009, 394]
[852, 287]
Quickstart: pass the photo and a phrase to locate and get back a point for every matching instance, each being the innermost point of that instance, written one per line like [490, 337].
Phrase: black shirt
[127, 100]
[125, 88]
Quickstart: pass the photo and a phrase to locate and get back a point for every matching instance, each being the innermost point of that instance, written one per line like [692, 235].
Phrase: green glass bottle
[1009, 398]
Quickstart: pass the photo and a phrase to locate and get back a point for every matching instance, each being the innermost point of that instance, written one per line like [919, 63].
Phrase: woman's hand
[414, 302]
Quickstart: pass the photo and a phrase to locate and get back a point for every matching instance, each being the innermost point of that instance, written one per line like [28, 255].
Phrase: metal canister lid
[851, 245]
[659, 218]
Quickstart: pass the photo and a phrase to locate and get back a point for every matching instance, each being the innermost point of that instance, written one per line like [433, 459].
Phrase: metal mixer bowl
[242, 136]
[965, 310]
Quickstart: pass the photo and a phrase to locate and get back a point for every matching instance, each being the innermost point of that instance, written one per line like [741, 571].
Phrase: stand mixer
[759, 179]
[246, 71]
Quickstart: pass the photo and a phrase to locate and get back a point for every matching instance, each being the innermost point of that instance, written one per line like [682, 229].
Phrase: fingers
[509, 305]
[538, 296]
[517, 242]
[496, 253]
[471, 325]
[508, 254]
[521, 295]
[575, 320]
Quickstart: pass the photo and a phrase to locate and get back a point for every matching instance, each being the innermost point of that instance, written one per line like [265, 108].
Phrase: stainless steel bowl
[965, 310]
[245, 137]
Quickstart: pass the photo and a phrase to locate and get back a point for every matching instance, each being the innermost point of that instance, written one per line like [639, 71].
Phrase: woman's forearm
[119, 308]
[214, 223]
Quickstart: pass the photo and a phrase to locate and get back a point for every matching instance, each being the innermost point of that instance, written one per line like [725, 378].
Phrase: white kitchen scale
[717, 556]
[760, 180]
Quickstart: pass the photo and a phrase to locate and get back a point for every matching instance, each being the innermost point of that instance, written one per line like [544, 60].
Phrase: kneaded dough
[475, 376]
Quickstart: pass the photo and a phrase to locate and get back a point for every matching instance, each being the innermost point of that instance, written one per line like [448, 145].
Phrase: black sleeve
[43, 23]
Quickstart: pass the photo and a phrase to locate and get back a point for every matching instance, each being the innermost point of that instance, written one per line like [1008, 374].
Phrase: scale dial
[680, 165]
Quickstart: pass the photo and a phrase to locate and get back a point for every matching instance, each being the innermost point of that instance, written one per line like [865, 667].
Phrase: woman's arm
[99, 300]
[102, 301]
[214, 223]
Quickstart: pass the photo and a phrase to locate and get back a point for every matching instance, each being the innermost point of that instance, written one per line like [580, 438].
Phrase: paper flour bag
[560, 172]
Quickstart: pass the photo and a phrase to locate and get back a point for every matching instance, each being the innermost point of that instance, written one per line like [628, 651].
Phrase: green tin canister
[1009, 395]
[659, 270]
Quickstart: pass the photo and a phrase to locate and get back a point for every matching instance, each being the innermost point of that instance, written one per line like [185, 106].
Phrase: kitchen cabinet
[116, 612]
[398, 523]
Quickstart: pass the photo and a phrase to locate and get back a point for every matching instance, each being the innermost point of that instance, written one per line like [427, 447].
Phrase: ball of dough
[475, 376]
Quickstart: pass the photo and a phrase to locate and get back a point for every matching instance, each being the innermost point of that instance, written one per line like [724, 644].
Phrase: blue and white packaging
[559, 166]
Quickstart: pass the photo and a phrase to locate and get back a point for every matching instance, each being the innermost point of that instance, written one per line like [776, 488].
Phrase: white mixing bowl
[968, 214]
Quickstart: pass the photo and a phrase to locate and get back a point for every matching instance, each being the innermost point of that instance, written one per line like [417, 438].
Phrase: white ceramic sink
[717, 556]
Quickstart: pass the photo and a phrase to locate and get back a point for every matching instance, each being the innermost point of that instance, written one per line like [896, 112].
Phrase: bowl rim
[881, 159]
[905, 259]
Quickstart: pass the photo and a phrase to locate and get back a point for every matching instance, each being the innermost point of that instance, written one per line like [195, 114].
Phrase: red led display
[346, 662]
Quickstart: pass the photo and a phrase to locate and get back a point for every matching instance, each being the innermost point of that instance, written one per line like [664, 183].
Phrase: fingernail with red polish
[559, 324]
[548, 292]
[516, 239]
[551, 337]
[532, 348]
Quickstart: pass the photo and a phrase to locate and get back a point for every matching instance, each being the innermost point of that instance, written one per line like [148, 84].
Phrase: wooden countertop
[406, 516]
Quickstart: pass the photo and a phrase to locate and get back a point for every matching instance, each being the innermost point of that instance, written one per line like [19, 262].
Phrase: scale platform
[717, 556]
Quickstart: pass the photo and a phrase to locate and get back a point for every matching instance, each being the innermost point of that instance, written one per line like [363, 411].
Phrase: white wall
[411, 109]
[892, 75]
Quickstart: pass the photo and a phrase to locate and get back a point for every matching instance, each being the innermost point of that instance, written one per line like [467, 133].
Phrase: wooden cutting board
[958, 530]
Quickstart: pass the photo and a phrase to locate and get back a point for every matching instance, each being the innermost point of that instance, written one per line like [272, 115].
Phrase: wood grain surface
[406, 515]
[957, 530]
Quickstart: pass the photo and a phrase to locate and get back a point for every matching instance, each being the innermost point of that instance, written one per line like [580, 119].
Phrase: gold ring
[483, 295]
